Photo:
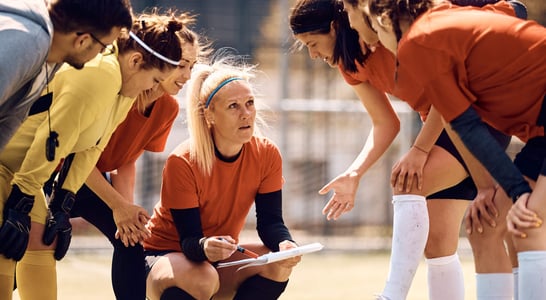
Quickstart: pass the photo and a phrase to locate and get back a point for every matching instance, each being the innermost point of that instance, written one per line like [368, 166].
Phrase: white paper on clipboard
[273, 256]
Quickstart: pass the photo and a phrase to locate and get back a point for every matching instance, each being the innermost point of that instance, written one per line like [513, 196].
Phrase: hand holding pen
[239, 248]
[221, 247]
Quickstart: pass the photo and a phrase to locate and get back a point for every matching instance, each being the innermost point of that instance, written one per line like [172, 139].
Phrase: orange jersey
[138, 133]
[224, 198]
[378, 70]
[456, 57]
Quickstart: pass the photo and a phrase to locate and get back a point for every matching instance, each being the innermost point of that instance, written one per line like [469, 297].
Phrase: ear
[81, 41]
[332, 27]
[209, 118]
[384, 21]
[135, 60]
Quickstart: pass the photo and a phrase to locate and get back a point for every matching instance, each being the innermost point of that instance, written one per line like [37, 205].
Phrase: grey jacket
[26, 33]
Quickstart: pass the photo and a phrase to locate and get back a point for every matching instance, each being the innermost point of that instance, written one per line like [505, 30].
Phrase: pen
[243, 250]
[247, 252]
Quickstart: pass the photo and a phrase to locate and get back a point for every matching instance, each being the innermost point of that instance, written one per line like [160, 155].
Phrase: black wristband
[194, 249]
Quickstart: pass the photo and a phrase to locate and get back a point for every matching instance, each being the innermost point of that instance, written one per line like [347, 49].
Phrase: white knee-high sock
[495, 286]
[409, 237]
[532, 275]
[445, 274]
[515, 272]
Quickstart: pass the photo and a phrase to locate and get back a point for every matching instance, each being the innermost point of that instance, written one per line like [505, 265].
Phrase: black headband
[311, 28]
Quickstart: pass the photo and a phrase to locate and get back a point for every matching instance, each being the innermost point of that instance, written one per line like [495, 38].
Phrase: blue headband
[219, 87]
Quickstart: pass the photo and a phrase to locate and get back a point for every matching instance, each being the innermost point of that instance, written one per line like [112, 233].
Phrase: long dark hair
[399, 10]
[315, 16]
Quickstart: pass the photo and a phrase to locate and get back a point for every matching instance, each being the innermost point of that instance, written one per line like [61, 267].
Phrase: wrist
[19, 200]
[421, 149]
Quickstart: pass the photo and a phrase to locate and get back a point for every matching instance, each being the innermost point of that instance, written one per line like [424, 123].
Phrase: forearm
[485, 148]
[270, 223]
[480, 175]
[123, 181]
[430, 131]
[106, 192]
[376, 145]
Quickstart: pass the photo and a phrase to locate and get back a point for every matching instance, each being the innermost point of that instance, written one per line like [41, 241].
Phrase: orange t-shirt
[457, 57]
[378, 70]
[224, 198]
[138, 133]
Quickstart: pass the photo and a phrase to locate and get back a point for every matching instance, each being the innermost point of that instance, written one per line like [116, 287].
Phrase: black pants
[128, 268]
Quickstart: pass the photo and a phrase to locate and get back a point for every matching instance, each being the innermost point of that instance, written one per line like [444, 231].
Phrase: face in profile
[174, 83]
[233, 114]
[141, 80]
[319, 45]
[382, 26]
[360, 22]
[95, 45]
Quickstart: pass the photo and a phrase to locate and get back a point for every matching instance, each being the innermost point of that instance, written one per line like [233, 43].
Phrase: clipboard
[272, 257]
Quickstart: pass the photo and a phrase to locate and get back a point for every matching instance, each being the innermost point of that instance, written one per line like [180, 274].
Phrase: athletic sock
[515, 273]
[409, 237]
[7, 277]
[37, 276]
[258, 287]
[532, 275]
[445, 274]
[128, 272]
[175, 293]
[497, 286]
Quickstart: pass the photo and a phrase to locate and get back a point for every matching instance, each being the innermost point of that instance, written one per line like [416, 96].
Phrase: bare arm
[129, 218]
[411, 165]
[385, 127]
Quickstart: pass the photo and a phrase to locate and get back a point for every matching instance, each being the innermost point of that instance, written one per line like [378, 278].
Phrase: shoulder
[264, 148]
[168, 105]
[182, 151]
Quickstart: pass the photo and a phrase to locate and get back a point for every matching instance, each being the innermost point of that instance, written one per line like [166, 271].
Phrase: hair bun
[174, 26]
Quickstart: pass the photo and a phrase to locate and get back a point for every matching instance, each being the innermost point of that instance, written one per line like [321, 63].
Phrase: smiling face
[232, 114]
[319, 45]
[174, 83]
[134, 83]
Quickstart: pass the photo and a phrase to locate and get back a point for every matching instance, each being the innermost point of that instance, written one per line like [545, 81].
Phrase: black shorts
[151, 257]
[466, 189]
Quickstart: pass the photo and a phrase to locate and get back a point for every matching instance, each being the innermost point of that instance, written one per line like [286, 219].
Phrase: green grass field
[325, 275]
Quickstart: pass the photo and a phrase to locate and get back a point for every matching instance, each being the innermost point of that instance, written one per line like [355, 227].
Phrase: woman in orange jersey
[464, 76]
[432, 168]
[210, 182]
[107, 198]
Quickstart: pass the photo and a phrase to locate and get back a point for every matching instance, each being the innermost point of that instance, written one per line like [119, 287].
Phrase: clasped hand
[131, 223]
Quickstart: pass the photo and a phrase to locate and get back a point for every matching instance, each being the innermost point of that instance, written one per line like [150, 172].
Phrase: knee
[203, 284]
[489, 235]
[277, 272]
[35, 240]
[439, 244]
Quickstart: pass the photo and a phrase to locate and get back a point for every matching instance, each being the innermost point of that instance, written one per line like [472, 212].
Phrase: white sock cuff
[515, 271]
[408, 198]
[532, 257]
[495, 285]
[444, 260]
